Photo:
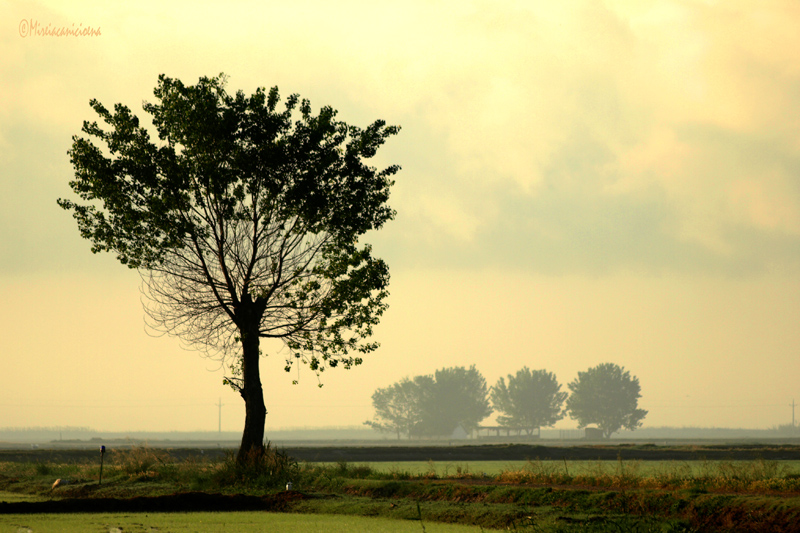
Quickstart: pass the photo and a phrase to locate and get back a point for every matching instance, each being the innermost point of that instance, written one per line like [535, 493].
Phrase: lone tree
[244, 221]
[608, 396]
[531, 399]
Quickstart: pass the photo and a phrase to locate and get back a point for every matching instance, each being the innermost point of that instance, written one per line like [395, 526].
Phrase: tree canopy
[460, 398]
[245, 222]
[432, 406]
[532, 399]
[400, 408]
[606, 395]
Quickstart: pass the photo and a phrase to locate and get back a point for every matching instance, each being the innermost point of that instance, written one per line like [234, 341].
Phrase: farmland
[590, 488]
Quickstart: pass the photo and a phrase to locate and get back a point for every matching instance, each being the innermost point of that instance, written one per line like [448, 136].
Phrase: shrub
[270, 468]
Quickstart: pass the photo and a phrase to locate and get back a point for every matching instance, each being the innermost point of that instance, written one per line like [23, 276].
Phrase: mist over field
[87, 438]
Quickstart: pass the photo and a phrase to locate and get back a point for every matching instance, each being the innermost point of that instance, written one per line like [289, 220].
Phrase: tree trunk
[255, 412]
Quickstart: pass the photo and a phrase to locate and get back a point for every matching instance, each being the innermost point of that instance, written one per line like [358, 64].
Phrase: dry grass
[138, 461]
[759, 476]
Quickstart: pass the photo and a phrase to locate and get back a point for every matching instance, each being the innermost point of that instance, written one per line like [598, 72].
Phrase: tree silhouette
[608, 396]
[400, 407]
[245, 223]
[532, 399]
[432, 406]
[459, 398]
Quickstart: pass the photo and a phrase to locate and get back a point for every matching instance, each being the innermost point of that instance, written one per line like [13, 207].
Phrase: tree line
[436, 405]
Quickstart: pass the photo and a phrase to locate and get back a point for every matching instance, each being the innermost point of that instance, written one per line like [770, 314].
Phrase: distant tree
[532, 399]
[432, 406]
[399, 407]
[245, 221]
[608, 396]
[459, 398]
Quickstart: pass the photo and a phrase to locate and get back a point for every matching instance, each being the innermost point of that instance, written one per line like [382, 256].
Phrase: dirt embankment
[174, 503]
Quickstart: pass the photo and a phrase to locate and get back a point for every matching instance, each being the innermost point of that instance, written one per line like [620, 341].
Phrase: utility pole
[793, 406]
[220, 415]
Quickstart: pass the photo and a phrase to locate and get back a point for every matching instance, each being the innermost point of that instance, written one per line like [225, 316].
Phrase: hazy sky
[583, 182]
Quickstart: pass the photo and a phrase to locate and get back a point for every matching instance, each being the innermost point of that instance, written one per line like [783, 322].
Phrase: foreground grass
[17, 497]
[212, 522]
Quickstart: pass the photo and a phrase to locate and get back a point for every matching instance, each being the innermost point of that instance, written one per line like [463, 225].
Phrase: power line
[219, 404]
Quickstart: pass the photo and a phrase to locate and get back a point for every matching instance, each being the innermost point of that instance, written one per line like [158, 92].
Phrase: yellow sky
[582, 182]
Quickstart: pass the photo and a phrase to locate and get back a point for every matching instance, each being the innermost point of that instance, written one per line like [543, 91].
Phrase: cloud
[731, 209]
[580, 137]
[657, 138]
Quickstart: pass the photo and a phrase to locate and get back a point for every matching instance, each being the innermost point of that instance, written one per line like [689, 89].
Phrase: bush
[268, 469]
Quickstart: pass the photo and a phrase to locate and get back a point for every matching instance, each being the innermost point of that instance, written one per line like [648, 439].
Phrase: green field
[212, 522]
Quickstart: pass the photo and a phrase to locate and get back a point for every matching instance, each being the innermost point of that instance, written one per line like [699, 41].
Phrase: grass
[637, 468]
[17, 497]
[535, 495]
[759, 476]
[212, 522]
